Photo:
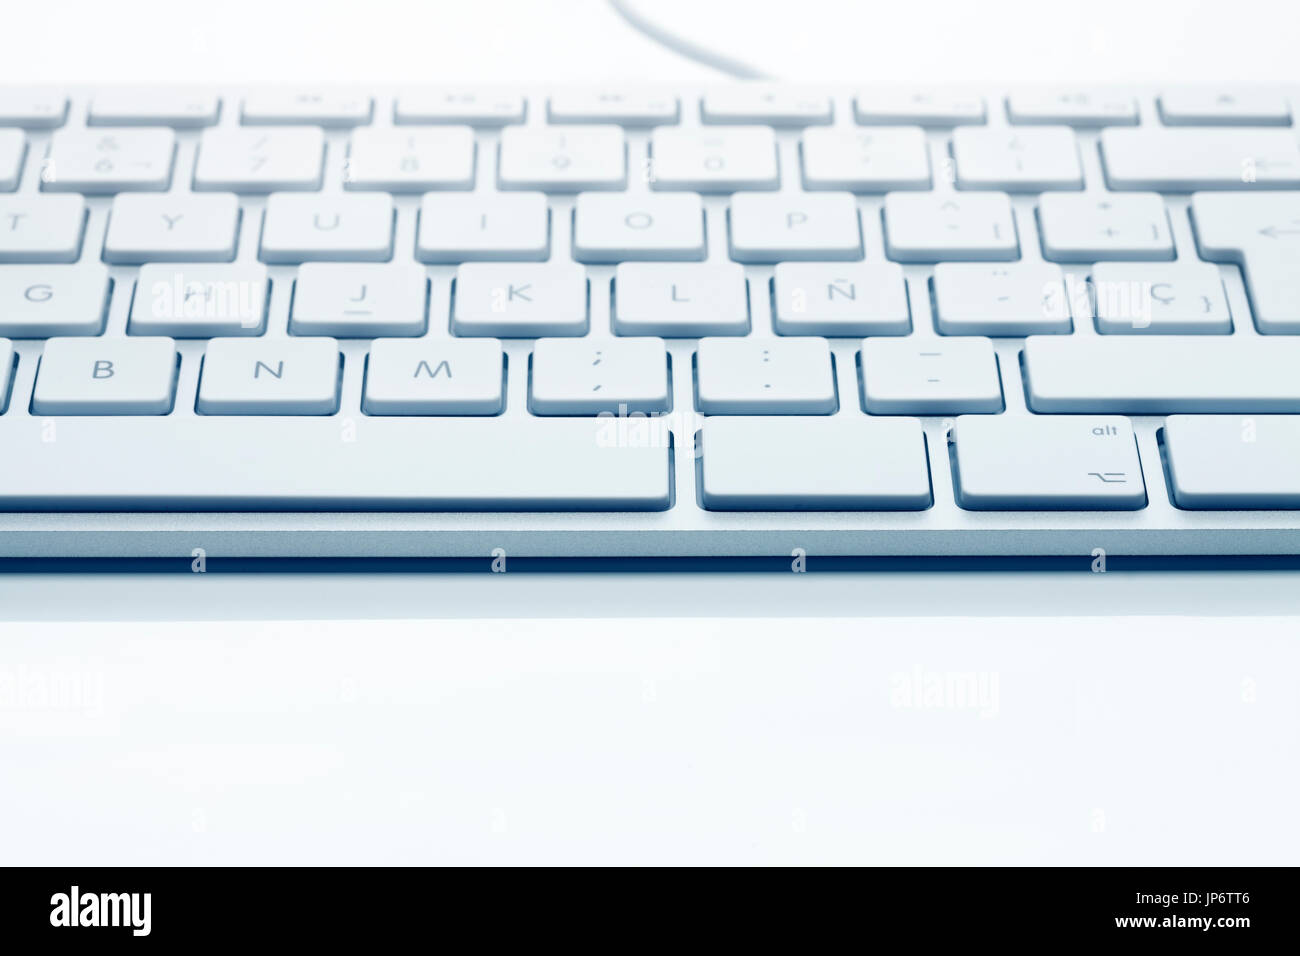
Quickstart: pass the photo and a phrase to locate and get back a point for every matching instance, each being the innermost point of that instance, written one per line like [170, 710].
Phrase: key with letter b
[94, 376]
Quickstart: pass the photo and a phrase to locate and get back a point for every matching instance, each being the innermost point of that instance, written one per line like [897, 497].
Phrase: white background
[1138, 717]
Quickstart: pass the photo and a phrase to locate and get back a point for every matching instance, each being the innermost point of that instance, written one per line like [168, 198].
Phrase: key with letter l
[682, 300]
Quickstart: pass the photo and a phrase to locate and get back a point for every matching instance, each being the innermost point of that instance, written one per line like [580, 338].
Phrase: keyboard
[745, 320]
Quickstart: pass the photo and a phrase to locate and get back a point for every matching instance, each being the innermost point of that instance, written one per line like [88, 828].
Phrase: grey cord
[683, 47]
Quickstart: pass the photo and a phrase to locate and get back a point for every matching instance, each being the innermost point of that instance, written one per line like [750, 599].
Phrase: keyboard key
[13, 150]
[749, 104]
[680, 300]
[37, 302]
[625, 108]
[157, 107]
[176, 227]
[1232, 462]
[591, 376]
[32, 108]
[298, 228]
[1089, 227]
[1022, 298]
[765, 377]
[1184, 160]
[1079, 109]
[888, 107]
[936, 228]
[199, 301]
[714, 160]
[1193, 107]
[1261, 233]
[817, 298]
[520, 300]
[359, 301]
[203, 464]
[1178, 298]
[434, 377]
[1159, 375]
[267, 376]
[484, 226]
[6, 372]
[308, 107]
[1030, 463]
[562, 158]
[951, 377]
[866, 161]
[109, 160]
[814, 464]
[770, 228]
[411, 160]
[260, 160]
[1017, 160]
[41, 228]
[469, 106]
[99, 376]
[667, 226]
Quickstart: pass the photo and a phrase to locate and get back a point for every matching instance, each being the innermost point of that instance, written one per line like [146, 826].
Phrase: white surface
[1116, 739]
[883, 740]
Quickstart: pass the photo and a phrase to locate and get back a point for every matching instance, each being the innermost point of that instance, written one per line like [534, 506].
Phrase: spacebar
[330, 464]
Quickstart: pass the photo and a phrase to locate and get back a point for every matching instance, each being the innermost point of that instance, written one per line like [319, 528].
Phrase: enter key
[1046, 463]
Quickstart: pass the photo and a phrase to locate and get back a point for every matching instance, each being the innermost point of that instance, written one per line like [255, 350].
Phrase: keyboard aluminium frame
[686, 529]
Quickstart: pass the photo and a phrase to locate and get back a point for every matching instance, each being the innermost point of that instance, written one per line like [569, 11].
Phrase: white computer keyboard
[738, 321]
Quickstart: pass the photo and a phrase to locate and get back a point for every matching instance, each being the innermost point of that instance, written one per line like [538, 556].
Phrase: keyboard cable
[683, 47]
